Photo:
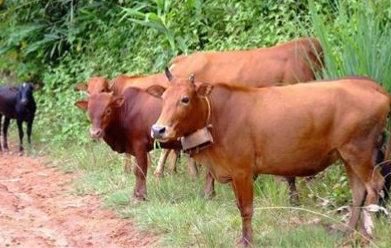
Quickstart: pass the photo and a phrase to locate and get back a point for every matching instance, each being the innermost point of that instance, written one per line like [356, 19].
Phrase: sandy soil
[38, 209]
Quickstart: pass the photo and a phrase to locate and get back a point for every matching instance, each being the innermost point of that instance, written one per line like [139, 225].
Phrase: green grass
[182, 218]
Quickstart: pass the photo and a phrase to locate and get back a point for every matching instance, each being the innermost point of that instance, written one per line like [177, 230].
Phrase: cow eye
[108, 111]
[185, 100]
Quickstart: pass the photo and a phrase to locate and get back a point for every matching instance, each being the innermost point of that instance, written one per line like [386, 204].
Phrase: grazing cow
[288, 63]
[17, 103]
[118, 86]
[277, 130]
[124, 123]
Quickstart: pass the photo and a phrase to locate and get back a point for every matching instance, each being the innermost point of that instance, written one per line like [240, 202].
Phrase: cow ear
[118, 102]
[204, 89]
[83, 105]
[81, 87]
[36, 86]
[168, 74]
[156, 91]
[14, 88]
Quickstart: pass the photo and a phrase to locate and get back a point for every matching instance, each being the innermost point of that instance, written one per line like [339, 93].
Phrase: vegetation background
[62, 42]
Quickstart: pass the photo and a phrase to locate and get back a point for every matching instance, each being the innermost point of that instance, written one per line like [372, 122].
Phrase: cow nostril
[162, 130]
[158, 131]
[96, 133]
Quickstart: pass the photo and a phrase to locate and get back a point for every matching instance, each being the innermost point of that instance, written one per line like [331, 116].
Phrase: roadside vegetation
[62, 42]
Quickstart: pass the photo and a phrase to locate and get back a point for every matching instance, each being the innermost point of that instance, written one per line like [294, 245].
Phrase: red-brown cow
[288, 63]
[277, 130]
[118, 86]
[124, 121]
[284, 64]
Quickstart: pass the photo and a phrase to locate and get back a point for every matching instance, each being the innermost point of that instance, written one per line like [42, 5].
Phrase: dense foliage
[62, 42]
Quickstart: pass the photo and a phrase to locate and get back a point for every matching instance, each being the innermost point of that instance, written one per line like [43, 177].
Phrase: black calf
[17, 103]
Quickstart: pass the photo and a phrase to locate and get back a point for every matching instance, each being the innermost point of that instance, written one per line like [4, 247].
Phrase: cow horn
[191, 78]
[168, 74]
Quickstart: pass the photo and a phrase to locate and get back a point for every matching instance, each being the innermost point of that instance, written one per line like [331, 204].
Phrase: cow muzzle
[24, 102]
[96, 133]
[158, 132]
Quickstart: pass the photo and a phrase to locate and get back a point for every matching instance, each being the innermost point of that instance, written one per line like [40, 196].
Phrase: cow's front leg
[140, 172]
[5, 130]
[243, 188]
[159, 171]
[21, 134]
[29, 131]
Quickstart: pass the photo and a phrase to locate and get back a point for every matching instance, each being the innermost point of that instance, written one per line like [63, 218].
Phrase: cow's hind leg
[192, 166]
[209, 186]
[358, 194]
[5, 130]
[173, 162]
[293, 196]
[364, 177]
[128, 161]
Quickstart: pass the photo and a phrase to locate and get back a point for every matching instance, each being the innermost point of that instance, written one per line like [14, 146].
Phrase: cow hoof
[157, 175]
[341, 228]
[208, 195]
[294, 200]
[243, 242]
[138, 199]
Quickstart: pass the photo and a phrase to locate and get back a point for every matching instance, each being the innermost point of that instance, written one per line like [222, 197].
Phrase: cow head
[100, 109]
[25, 93]
[185, 108]
[95, 85]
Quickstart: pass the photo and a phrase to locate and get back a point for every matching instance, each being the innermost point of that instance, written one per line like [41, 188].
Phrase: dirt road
[38, 209]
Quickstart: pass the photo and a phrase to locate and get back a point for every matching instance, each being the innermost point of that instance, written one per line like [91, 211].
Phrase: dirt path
[37, 209]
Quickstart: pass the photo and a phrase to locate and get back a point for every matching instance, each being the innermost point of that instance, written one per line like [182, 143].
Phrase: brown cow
[124, 122]
[288, 63]
[277, 130]
[118, 86]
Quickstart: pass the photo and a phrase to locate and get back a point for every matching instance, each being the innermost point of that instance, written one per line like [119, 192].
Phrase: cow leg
[209, 186]
[128, 161]
[293, 196]
[361, 167]
[29, 130]
[5, 130]
[140, 172]
[21, 134]
[193, 170]
[173, 162]
[1, 118]
[158, 173]
[243, 188]
[358, 193]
